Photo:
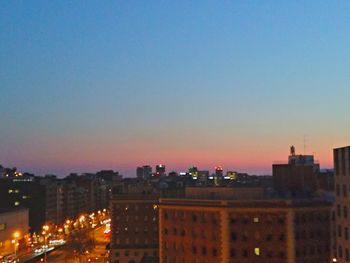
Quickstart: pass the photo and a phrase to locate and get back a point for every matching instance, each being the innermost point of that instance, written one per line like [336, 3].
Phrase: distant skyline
[90, 85]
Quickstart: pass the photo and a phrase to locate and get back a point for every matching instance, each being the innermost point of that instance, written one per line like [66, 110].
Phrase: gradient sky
[88, 85]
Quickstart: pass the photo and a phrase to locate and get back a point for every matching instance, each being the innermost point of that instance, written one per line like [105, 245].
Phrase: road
[83, 247]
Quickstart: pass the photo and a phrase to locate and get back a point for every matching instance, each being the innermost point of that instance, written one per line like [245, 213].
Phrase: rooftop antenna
[304, 144]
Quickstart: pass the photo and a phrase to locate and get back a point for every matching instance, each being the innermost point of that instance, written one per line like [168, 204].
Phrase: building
[298, 176]
[144, 172]
[245, 231]
[160, 170]
[14, 226]
[134, 226]
[342, 204]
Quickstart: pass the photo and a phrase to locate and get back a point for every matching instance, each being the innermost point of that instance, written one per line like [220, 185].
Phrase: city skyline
[90, 86]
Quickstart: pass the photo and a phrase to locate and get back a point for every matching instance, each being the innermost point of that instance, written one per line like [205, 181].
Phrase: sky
[90, 85]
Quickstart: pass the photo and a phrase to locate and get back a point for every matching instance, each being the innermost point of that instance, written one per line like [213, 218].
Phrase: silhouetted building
[144, 172]
[342, 205]
[160, 170]
[298, 176]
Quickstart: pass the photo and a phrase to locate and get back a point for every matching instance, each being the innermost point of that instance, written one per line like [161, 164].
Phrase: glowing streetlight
[45, 230]
[16, 235]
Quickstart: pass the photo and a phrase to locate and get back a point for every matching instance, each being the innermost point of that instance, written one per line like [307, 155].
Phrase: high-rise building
[144, 172]
[245, 231]
[342, 204]
[134, 226]
[160, 170]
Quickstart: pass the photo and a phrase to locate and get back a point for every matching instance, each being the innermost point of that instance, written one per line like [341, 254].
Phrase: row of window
[194, 217]
[257, 236]
[342, 212]
[311, 217]
[136, 229]
[136, 253]
[135, 207]
[312, 250]
[135, 241]
[346, 255]
[309, 235]
[344, 230]
[193, 234]
[135, 218]
[341, 190]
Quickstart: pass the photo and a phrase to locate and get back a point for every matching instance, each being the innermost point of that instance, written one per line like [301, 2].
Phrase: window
[346, 233]
[257, 251]
[338, 211]
[338, 189]
[204, 250]
[233, 253]
[245, 253]
[214, 252]
[344, 190]
[233, 236]
[256, 219]
[269, 237]
[339, 230]
[194, 249]
[340, 252]
[345, 211]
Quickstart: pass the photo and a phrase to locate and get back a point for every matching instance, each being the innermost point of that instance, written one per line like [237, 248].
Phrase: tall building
[134, 226]
[160, 170]
[342, 204]
[144, 172]
[245, 231]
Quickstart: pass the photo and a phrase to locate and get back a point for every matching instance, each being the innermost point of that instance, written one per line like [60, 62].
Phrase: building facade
[212, 231]
[134, 226]
[342, 205]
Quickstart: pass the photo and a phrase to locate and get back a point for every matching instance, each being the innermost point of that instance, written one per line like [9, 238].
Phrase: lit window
[256, 220]
[16, 191]
[155, 207]
[10, 191]
[257, 251]
[16, 203]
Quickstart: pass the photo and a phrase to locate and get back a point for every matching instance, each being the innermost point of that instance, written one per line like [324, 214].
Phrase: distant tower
[292, 150]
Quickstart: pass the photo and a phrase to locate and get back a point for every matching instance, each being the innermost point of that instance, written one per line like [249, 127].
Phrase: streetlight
[45, 228]
[16, 235]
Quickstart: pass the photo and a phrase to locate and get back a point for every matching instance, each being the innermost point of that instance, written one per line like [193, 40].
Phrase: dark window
[344, 190]
[245, 253]
[204, 250]
[338, 189]
[233, 253]
[233, 236]
[339, 230]
[268, 237]
[346, 233]
[345, 211]
[338, 211]
[340, 252]
[214, 252]
[194, 249]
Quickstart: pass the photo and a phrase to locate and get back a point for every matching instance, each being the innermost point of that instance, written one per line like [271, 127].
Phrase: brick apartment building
[245, 231]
